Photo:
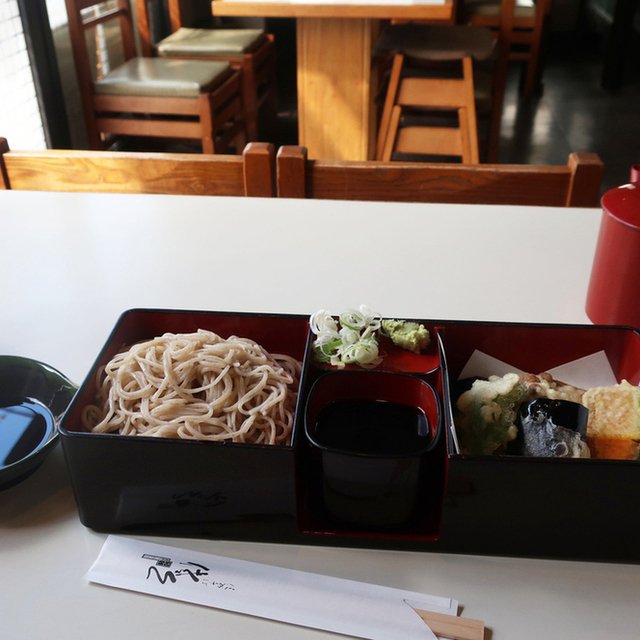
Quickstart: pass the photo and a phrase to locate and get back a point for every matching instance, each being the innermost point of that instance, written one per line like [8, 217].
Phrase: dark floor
[574, 112]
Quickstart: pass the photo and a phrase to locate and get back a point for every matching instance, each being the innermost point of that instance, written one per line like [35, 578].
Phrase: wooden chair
[250, 51]
[519, 27]
[174, 99]
[252, 174]
[575, 185]
[444, 46]
[434, 97]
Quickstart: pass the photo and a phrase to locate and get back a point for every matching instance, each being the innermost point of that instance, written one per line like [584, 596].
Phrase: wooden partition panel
[576, 184]
[252, 174]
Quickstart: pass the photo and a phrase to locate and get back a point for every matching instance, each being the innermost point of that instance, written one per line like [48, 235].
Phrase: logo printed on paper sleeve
[161, 571]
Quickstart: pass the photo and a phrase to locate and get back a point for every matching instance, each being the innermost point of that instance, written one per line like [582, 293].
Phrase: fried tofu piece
[613, 429]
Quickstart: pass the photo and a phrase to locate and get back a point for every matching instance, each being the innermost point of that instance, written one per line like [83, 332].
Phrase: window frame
[46, 73]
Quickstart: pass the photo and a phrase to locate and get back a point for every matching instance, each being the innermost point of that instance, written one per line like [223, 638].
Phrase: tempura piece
[544, 385]
[488, 411]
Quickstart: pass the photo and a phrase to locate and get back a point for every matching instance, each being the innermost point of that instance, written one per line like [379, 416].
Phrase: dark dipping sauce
[24, 426]
[372, 427]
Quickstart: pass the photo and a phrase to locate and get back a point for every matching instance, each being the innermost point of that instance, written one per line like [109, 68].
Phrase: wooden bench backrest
[252, 174]
[577, 184]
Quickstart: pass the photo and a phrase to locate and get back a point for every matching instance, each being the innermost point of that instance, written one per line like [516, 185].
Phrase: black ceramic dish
[499, 505]
[33, 398]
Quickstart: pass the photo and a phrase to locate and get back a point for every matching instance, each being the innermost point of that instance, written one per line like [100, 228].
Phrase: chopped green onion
[352, 341]
[351, 319]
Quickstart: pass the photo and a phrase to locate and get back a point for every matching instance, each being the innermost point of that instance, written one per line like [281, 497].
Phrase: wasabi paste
[407, 335]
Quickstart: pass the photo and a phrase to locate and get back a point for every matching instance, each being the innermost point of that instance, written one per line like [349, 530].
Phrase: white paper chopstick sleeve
[296, 597]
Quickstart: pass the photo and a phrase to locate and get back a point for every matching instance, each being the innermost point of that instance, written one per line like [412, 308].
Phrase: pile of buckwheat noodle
[197, 386]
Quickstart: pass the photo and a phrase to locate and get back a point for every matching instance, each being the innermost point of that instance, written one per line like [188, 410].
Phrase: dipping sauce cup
[373, 431]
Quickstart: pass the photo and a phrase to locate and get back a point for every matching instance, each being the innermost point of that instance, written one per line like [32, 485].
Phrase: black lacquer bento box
[420, 495]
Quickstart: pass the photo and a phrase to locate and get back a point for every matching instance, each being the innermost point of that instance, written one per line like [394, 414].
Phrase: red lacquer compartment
[393, 358]
[537, 348]
[176, 486]
[517, 505]
[370, 461]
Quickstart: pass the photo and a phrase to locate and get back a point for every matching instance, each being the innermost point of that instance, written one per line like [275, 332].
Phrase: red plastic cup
[613, 296]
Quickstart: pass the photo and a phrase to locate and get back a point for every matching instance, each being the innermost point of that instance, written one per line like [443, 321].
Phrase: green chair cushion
[427, 42]
[208, 42]
[162, 78]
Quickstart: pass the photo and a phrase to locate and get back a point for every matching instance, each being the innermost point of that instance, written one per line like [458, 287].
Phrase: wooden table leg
[336, 115]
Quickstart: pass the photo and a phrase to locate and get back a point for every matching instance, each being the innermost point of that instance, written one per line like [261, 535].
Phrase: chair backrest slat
[84, 4]
[145, 32]
[105, 16]
[252, 174]
[576, 184]
[586, 176]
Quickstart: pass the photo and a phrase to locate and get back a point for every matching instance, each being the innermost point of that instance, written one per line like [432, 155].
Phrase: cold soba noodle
[198, 386]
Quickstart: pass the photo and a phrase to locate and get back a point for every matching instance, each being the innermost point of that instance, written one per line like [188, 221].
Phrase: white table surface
[70, 264]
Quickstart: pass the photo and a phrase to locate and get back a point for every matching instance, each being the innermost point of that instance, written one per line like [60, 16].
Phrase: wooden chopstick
[453, 627]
